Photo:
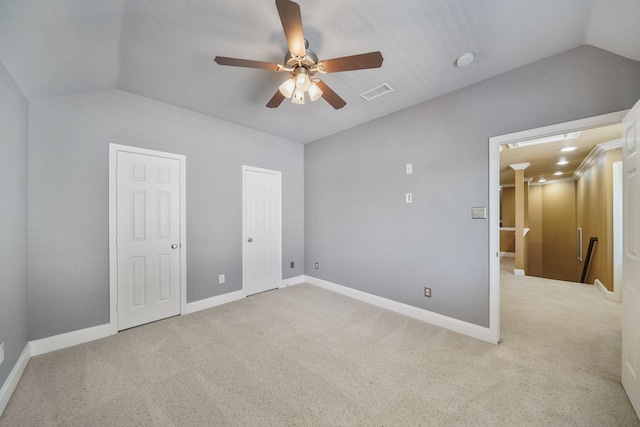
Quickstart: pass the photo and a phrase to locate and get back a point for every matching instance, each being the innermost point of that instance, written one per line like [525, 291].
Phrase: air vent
[383, 89]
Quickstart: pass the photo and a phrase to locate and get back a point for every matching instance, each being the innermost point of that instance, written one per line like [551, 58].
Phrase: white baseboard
[518, 272]
[203, 304]
[69, 339]
[11, 383]
[507, 254]
[607, 293]
[465, 328]
[292, 281]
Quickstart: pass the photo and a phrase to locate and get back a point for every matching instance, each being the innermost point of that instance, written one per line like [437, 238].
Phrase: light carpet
[306, 356]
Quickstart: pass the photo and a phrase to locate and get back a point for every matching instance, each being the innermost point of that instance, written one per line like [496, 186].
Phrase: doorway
[494, 196]
[262, 229]
[147, 248]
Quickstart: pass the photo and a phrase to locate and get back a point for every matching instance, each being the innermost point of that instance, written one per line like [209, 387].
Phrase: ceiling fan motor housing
[309, 61]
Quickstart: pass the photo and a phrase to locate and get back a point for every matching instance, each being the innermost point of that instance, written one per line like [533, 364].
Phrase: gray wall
[68, 199]
[13, 217]
[365, 237]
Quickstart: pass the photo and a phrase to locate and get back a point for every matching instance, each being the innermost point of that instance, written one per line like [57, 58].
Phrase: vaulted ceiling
[164, 50]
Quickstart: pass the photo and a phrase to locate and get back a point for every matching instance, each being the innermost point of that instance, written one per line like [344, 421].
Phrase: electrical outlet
[479, 213]
[317, 266]
[1, 353]
[292, 264]
[427, 292]
[221, 278]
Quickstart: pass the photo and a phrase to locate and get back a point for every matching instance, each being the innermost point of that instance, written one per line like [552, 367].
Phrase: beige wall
[508, 219]
[559, 260]
[551, 241]
[594, 191]
[535, 232]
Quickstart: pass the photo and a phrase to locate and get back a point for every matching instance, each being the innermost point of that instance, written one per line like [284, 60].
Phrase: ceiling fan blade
[235, 62]
[277, 99]
[330, 96]
[353, 62]
[291, 19]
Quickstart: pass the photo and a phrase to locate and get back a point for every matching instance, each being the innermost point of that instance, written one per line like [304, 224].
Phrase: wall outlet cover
[317, 266]
[427, 292]
[221, 278]
[479, 213]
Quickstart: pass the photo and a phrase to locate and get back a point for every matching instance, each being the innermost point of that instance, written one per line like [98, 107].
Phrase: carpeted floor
[306, 356]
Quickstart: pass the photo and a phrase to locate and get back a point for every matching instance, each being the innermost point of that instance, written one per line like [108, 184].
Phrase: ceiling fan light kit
[287, 88]
[314, 91]
[298, 97]
[302, 64]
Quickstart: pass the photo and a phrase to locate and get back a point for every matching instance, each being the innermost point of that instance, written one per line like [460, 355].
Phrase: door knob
[174, 246]
[249, 240]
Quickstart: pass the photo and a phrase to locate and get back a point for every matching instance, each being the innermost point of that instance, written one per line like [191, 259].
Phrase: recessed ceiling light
[567, 149]
[542, 180]
[558, 173]
[464, 59]
[562, 162]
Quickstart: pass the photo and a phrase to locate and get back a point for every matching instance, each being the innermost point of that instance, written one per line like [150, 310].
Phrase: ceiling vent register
[377, 91]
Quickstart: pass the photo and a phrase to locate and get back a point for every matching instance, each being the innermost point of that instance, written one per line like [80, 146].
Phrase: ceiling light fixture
[542, 179]
[287, 88]
[299, 83]
[298, 97]
[314, 91]
[567, 149]
[562, 162]
[302, 78]
[558, 173]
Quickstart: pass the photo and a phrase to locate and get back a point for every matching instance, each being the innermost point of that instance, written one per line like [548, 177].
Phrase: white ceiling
[164, 49]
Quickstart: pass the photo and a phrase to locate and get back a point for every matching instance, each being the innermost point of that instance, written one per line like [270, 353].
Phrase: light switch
[408, 198]
[479, 213]
[409, 168]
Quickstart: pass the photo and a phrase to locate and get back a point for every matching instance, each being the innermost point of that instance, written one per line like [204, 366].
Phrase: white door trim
[113, 252]
[494, 197]
[617, 231]
[278, 269]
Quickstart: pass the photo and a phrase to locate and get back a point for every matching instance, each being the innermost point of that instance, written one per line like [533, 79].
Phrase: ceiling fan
[302, 64]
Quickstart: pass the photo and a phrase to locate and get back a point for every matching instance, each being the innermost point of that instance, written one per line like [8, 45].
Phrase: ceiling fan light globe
[302, 79]
[314, 92]
[298, 97]
[286, 88]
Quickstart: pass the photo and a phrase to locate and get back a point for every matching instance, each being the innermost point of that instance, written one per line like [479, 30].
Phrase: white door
[262, 254]
[631, 260]
[148, 238]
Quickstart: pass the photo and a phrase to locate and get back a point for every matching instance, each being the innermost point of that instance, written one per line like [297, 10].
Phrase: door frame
[278, 270]
[617, 231]
[494, 197]
[113, 222]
